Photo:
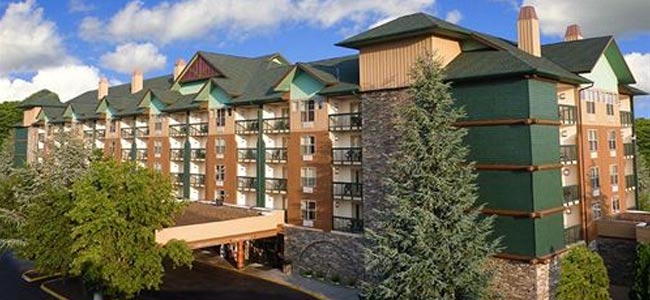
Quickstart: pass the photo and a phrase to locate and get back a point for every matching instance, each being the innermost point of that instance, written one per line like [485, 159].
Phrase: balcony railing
[141, 154]
[630, 181]
[348, 190]
[198, 154]
[177, 178]
[246, 183]
[352, 225]
[176, 154]
[347, 156]
[571, 194]
[199, 129]
[276, 185]
[345, 121]
[628, 149]
[277, 155]
[246, 154]
[276, 125]
[247, 126]
[626, 118]
[573, 235]
[142, 131]
[126, 154]
[568, 114]
[88, 134]
[197, 180]
[128, 133]
[568, 154]
[177, 130]
[101, 134]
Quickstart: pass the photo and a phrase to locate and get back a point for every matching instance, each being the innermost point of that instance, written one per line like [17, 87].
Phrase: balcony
[573, 235]
[88, 134]
[345, 224]
[568, 114]
[630, 182]
[345, 121]
[571, 195]
[126, 154]
[141, 154]
[628, 150]
[246, 154]
[276, 185]
[347, 190]
[347, 156]
[176, 154]
[276, 155]
[142, 131]
[276, 125]
[247, 126]
[177, 130]
[568, 154]
[177, 178]
[100, 134]
[198, 154]
[199, 129]
[246, 183]
[128, 133]
[197, 180]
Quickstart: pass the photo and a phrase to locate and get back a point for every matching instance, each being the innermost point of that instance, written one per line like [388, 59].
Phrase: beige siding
[387, 66]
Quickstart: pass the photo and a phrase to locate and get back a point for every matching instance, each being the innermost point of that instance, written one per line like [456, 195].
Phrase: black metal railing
[573, 235]
[246, 154]
[199, 129]
[247, 126]
[247, 182]
[142, 131]
[351, 155]
[276, 125]
[276, 154]
[352, 225]
[126, 154]
[88, 134]
[628, 149]
[347, 190]
[626, 118]
[100, 134]
[178, 130]
[276, 184]
[141, 154]
[571, 194]
[630, 181]
[345, 121]
[568, 153]
[568, 114]
[177, 178]
[176, 154]
[198, 154]
[128, 133]
[197, 180]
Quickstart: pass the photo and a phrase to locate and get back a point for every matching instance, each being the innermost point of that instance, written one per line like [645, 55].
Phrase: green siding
[547, 189]
[603, 76]
[261, 162]
[218, 98]
[499, 144]
[20, 146]
[190, 88]
[543, 100]
[530, 237]
[518, 190]
[304, 86]
[545, 144]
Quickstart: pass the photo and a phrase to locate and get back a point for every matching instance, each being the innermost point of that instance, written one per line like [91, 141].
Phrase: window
[111, 148]
[308, 209]
[591, 106]
[221, 117]
[613, 175]
[220, 174]
[595, 208]
[308, 145]
[593, 140]
[308, 176]
[616, 205]
[112, 126]
[610, 105]
[157, 148]
[220, 146]
[220, 195]
[307, 111]
[594, 178]
[157, 166]
[157, 126]
[611, 140]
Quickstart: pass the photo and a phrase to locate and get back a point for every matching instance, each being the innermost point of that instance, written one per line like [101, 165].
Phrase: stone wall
[524, 281]
[330, 253]
[619, 256]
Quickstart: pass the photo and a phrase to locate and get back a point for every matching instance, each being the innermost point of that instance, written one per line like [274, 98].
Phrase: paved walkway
[317, 288]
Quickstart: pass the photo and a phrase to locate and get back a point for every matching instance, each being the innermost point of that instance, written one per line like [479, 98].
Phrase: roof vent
[573, 33]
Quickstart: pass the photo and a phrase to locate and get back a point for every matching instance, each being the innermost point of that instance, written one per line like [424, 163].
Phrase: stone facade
[330, 253]
[515, 280]
[619, 256]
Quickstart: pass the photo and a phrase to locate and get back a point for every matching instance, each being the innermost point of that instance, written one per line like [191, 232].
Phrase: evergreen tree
[641, 287]
[583, 276]
[430, 242]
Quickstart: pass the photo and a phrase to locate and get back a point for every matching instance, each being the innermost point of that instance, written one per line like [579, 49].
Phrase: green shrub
[641, 287]
[583, 276]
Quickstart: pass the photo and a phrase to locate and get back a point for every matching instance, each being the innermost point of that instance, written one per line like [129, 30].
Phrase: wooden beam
[231, 239]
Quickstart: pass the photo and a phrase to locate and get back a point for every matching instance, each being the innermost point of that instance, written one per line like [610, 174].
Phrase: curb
[52, 293]
[39, 278]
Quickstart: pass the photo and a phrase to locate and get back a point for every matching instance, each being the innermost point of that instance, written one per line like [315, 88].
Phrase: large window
[613, 175]
[611, 139]
[308, 175]
[616, 204]
[593, 140]
[594, 178]
[595, 209]
[610, 105]
[308, 145]
[307, 111]
[220, 174]
[112, 127]
[157, 125]
[308, 210]
[157, 148]
[221, 117]
[220, 145]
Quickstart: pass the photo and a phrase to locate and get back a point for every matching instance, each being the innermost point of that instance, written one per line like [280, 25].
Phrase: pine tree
[431, 242]
[641, 287]
[583, 276]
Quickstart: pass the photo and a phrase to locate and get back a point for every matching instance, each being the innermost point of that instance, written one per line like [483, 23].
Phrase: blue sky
[42, 40]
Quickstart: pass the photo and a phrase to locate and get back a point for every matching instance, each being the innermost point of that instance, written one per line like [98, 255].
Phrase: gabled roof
[54, 114]
[410, 25]
[42, 98]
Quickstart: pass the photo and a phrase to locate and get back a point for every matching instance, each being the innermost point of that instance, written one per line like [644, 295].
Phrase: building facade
[549, 127]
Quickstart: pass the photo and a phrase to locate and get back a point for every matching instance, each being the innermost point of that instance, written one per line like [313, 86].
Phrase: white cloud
[639, 64]
[454, 16]
[27, 40]
[129, 56]
[188, 19]
[79, 6]
[67, 81]
[595, 17]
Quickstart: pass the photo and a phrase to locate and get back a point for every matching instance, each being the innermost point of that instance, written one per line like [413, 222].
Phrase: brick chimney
[573, 33]
[528, 31]
[178, 67]
[102, 89]
[136, 81]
